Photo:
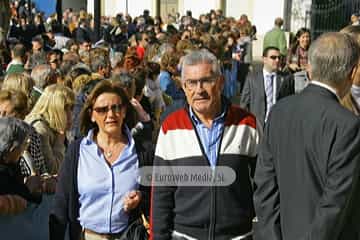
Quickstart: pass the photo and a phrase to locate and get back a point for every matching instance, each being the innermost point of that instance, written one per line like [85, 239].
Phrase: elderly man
[307, 173]
[43, 76]
[208, 131]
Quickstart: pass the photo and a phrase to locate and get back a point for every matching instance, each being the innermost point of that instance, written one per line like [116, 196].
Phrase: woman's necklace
[108, 154]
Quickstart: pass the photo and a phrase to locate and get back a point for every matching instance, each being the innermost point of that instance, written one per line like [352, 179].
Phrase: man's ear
[183, 84]
[221, 82]
[354, 72]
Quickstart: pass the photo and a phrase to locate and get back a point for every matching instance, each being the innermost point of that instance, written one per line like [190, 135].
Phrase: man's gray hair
[99, 61]
[198, 57]
[332, 57]
[41, 75]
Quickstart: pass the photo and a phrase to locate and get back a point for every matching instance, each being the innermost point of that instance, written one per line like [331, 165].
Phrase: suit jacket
[253, 97]
[307, 173]
[349, 102]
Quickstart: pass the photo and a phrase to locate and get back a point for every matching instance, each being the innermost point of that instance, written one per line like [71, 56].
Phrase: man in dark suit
[307, 173]
[262, 89]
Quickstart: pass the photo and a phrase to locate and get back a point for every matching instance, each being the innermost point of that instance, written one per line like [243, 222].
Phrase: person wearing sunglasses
[263, 88]
[98, 188]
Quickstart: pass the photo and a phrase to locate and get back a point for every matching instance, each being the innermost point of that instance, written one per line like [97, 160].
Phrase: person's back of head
[18, 100]
[332, 58]
[279, 22]
[99, 62]
[353, 30]
[19, 51]
[18, 81]
[13, 133]
[52, 106]
[43, 76]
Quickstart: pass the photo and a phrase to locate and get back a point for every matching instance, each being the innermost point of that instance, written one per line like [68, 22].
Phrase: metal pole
[126, 7]
[30, 12]
[287, 14]
[4, 16]
[59, 11]
[158, 8]
[97, 16]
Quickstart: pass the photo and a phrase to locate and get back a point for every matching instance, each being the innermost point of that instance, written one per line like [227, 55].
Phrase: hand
[132, 200]
[304, 66]
[12, 204]
[48, 184]
[294, 67]
[236, 56]
[143, 115]
[34, 184]
[62, 136]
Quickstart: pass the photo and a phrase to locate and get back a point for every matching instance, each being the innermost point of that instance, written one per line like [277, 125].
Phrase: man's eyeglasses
[115, 108]
[275, 57]
[205, 82]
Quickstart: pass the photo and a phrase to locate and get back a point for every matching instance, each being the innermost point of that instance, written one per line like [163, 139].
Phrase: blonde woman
[18, 82]
[80, 82]
[51, 117]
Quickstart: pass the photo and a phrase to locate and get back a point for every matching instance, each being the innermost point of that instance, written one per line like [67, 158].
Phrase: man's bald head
[332, 57]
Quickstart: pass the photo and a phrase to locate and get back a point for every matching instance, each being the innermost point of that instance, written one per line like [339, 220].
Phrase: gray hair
[332, 57]
[100, 61]
[198, 57]
[41, 75]
[13, 133]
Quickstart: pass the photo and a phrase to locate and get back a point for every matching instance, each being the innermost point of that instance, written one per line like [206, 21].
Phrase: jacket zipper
[112, 196]
[211, 233]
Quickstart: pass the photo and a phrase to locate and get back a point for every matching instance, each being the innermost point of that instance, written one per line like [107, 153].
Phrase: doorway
[168, 7]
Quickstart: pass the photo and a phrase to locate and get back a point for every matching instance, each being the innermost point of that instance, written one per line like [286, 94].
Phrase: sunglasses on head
[115, 108]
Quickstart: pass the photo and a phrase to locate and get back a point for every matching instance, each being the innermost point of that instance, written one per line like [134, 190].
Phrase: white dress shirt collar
[331, 89]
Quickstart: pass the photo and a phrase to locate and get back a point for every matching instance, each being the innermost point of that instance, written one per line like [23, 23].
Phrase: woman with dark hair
[297, 58]
[98, 188]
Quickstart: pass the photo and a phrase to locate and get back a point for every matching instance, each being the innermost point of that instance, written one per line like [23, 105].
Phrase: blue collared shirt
[102, 188]
[210, 137]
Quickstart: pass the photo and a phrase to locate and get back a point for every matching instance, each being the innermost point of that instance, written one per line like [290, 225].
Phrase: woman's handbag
[137, 230]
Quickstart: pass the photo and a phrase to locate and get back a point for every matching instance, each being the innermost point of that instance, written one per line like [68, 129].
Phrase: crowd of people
[81, 115]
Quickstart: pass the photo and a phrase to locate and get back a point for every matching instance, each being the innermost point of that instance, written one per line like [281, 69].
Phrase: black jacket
[11, 182]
